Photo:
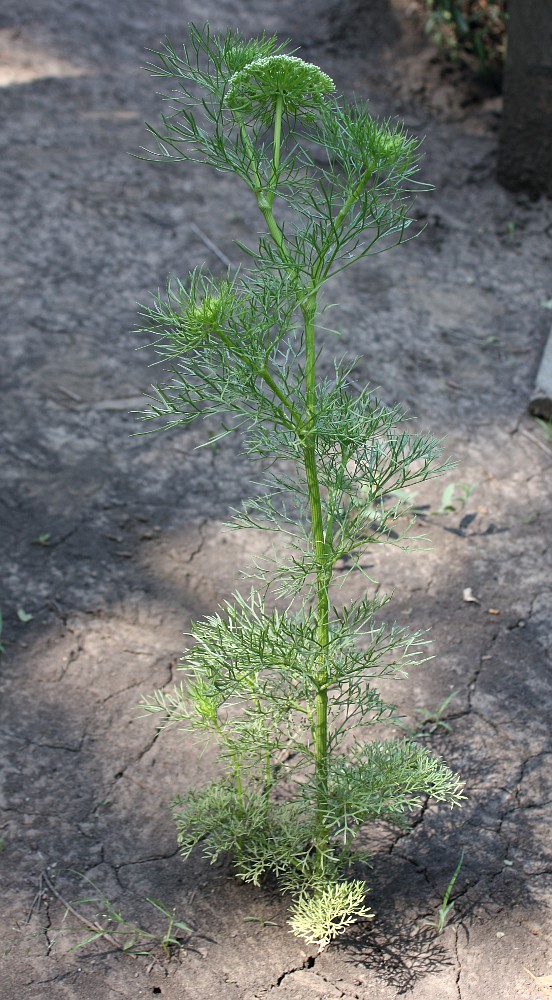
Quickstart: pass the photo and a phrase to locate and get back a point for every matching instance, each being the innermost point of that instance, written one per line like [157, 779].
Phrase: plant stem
[296, 422]
[276, 150]
[265, 200]
[320, 270]
[323, 577]
[268, 781]
[307, 432]
[265, 374]
[234, 757]
[248, 145]
[355, 194]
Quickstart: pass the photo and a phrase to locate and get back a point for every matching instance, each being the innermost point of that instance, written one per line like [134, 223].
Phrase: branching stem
[297, 418]
[296, 423]
[323, 578]
[320, 271]
[276, 149]
[306, 427]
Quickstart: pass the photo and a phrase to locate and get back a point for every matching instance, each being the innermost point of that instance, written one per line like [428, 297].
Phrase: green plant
[455, 497]
[290, 694]
[446, 907]
[170, 939]
[43, 539]
[434, 719]
[108, 924]
[431, 720]
[260, 920]
[473, 31]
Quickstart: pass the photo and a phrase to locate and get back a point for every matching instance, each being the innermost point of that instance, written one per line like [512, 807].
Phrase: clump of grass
[447, 905]
[106, 923]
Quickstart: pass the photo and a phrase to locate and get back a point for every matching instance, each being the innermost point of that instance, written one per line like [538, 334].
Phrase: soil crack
[201, 542]
[145, 861]
[307, 964]
[43, 746]
[458, 963]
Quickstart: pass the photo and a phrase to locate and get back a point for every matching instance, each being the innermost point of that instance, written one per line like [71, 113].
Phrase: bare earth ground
[453, 325]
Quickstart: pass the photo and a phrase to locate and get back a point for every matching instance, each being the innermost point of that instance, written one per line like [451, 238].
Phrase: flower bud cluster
[202, 311]
[237, 52]
[380, 144]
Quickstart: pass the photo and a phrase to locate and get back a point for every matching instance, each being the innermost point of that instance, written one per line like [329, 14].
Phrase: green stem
[323, 570]
[322, 544]
[265, 374]
[307, 431]
[296, 422]
[239, 787]
[348, 204]
[323, 577]
[265, 200]
[344, 210]
[268, 782]
[219, 728]
[276, 149]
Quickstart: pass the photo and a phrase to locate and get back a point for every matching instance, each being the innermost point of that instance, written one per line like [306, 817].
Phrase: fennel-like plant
[290, 695]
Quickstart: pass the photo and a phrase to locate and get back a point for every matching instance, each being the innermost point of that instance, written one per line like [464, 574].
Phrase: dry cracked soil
[113, 543]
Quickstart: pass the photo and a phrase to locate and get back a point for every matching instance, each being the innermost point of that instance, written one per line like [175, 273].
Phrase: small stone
[541, 401]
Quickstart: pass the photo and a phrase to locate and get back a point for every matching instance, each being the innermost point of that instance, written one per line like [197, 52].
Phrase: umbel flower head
[205, 317]
[380, 144]
[188, 318]
[254, 90]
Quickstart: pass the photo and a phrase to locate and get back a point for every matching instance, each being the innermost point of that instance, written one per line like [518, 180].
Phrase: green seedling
[446, 907]
[24, 616]
[108, 924]
[455, 497]
[170, 939]
[284, 678]
[43, 539]
[102, 804]
[433, 720]
[260, 920]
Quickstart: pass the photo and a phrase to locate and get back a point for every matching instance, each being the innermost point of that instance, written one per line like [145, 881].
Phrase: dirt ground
[113, 543]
